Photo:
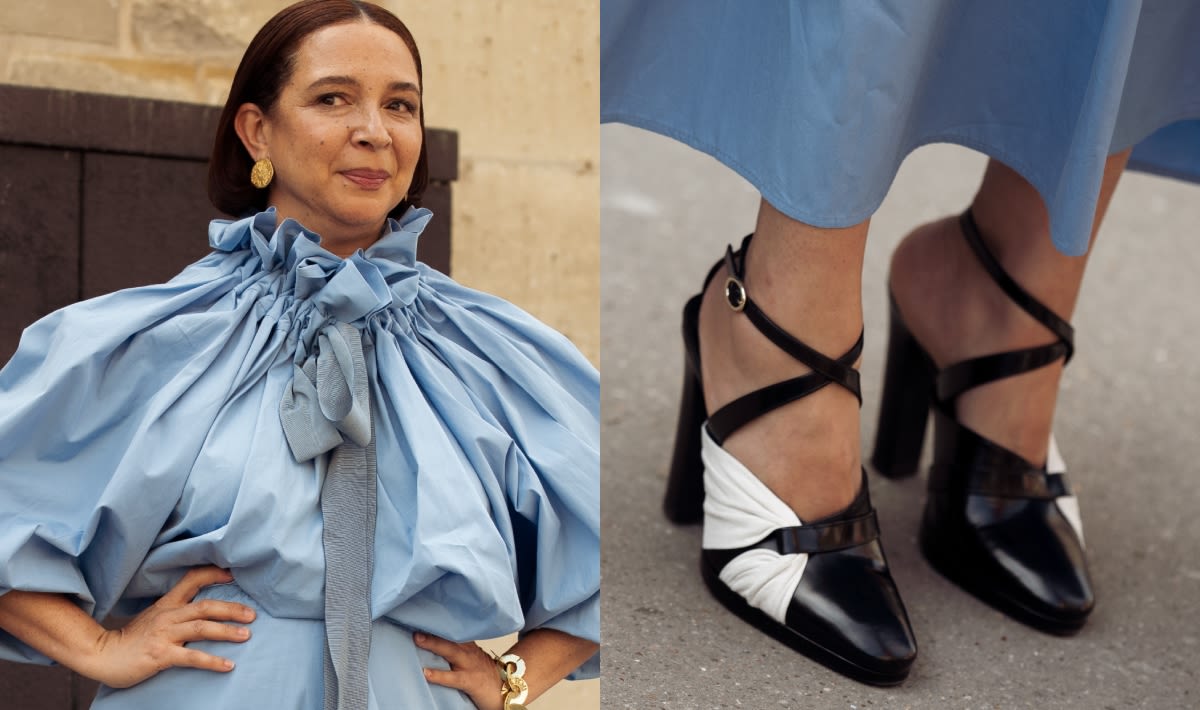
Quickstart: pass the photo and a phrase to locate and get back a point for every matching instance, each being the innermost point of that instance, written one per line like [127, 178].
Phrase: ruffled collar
[348, 290]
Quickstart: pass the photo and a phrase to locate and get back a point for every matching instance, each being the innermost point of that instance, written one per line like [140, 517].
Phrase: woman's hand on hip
[154, 639]
[472, 670]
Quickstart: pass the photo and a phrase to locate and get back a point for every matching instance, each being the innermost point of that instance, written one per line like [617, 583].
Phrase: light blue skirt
[140, 436]
[817, 103]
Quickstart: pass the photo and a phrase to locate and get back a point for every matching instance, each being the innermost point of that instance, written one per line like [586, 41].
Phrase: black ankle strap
[826, 370]
[960, 377]
[1019, 296]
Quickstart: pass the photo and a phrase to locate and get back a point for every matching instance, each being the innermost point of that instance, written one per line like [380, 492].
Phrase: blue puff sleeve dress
[140, 436]
[817, 102]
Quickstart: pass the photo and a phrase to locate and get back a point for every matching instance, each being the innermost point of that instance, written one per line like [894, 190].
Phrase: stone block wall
[518, 80]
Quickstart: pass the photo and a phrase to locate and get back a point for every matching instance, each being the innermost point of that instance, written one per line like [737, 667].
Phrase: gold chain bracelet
[512, 682]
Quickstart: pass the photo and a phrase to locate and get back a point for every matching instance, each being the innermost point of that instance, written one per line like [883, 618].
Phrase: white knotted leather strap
[739, 510]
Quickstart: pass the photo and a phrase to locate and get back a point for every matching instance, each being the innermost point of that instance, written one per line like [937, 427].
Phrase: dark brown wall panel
[25, 687]
[144, 219]
[433, 247]
[39, 237]
[80, 121]
[442, 149]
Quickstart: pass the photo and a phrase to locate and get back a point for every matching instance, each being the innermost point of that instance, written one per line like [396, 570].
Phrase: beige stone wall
[517, 78]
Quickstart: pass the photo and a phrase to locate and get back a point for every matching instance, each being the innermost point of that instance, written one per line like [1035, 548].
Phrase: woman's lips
[366, 179]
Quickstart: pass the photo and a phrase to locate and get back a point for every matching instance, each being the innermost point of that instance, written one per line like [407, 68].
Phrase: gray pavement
[1126, 422]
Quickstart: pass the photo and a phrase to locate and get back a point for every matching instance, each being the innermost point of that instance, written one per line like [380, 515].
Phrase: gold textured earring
[262, 173]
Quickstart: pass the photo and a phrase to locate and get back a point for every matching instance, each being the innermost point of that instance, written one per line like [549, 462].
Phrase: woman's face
[345, 133]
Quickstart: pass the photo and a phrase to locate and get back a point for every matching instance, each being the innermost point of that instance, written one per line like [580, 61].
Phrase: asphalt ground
[1126, 422]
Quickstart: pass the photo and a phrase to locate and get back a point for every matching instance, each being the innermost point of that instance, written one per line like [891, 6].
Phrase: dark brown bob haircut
[265, 68]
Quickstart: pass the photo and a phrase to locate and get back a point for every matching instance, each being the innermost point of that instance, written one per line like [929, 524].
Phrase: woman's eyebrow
[333, 81]
[339, 80]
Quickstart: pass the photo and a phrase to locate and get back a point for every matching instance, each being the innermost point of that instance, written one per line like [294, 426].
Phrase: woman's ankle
[956, 312]
[949, 301]
[806, 452]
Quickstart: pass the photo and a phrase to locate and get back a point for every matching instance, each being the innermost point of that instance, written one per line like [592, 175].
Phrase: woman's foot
[994, 524]
[806, 452]
[956, 311]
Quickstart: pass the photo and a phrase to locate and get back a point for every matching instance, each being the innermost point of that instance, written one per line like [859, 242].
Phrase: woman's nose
[371, 131]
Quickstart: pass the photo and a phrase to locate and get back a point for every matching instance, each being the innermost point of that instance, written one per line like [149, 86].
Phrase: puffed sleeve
[99, 425]
[545, 396]
[555, 500]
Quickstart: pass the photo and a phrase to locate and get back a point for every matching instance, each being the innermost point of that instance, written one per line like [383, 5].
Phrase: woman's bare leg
[956, 311]
[809, 281]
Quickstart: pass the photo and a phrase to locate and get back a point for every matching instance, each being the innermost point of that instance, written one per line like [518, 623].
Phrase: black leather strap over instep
[960, 377]
[838, 534]
[971, 464]
[741, 411]
[826, 537]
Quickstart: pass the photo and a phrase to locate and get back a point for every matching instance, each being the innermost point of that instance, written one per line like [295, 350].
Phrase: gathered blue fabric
[817, 102]
[159, 428]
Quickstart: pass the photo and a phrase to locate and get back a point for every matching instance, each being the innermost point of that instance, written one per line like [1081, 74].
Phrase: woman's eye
[402, 105]
[330, 100]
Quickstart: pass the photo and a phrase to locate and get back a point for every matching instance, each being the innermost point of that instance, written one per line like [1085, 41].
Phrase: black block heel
[684, 501]
[904, 408]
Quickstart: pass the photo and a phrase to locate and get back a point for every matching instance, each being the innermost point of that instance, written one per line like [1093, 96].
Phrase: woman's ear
[250, 124]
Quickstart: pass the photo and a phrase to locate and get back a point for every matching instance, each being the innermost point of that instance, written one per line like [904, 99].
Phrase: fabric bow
[323, 403]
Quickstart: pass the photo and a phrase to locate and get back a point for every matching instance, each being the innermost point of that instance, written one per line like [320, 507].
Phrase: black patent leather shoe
[995, 524]
[845, 611]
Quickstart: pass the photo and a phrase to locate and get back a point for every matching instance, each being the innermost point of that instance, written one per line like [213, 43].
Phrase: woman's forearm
[549, 656]
[54, 625]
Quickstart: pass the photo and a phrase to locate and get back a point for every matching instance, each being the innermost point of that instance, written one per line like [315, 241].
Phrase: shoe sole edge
[792, 639]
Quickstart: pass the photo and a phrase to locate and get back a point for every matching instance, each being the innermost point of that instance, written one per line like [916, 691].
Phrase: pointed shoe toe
[868, 630]
[845, 612]
[1021, 556]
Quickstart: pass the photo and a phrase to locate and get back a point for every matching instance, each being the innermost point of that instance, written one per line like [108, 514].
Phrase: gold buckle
[735, 293]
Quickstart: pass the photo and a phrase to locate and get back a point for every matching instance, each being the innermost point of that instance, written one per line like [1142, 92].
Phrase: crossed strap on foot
[741, 411]
[827, 536]
[995, 470]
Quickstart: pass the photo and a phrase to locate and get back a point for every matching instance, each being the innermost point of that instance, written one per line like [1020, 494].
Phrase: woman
[310, 468]
[816, 104]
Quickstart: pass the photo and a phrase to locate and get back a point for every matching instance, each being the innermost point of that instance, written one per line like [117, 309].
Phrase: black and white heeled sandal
[823, 588]
[1001, 527]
